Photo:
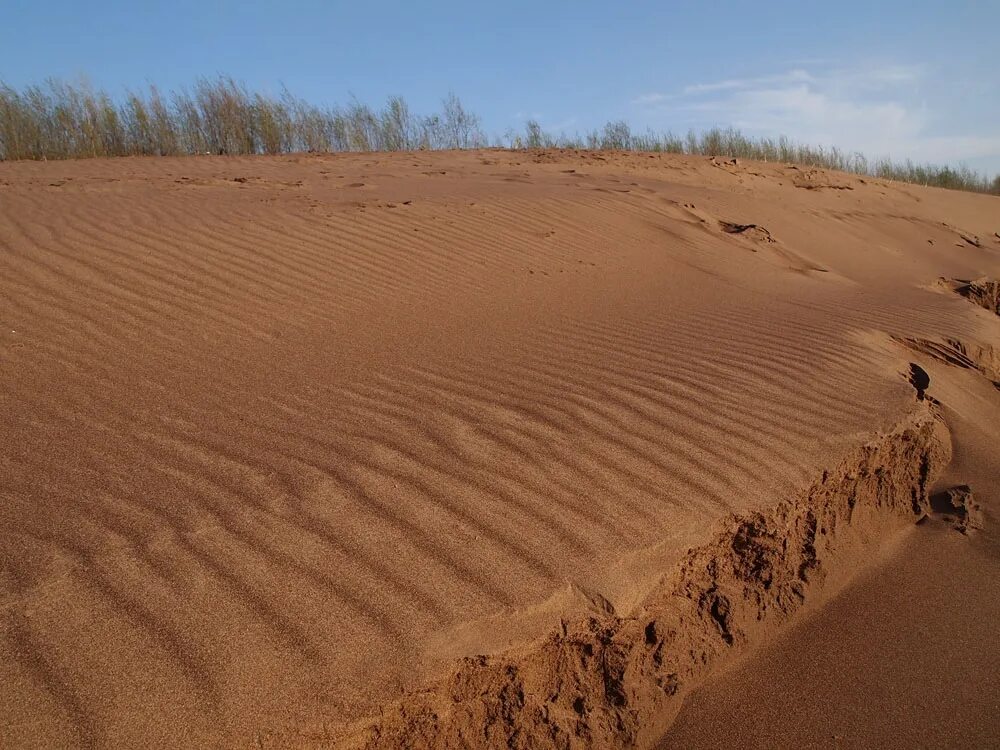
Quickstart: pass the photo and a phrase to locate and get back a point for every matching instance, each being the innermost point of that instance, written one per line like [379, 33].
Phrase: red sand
[285, 438]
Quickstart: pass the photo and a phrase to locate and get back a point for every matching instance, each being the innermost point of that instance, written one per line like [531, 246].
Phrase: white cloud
[878, 110]
[652, 98]
[792, 76]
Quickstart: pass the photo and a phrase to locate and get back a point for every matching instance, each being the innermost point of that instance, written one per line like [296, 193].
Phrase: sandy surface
[908, 655]
[282, 438]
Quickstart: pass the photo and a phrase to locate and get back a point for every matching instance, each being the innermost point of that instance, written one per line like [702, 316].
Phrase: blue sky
[914, 80]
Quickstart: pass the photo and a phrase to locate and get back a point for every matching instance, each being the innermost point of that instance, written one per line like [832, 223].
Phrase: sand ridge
[272, 426]
[609, 681]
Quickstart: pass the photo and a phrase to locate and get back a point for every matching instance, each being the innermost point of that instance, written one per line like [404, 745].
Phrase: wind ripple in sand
[262, 447]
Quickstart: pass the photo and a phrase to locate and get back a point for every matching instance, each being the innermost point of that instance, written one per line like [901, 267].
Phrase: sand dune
[286, 438]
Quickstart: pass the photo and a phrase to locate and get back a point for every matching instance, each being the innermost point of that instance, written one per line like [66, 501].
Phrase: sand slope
[907, 656]
[285, 437]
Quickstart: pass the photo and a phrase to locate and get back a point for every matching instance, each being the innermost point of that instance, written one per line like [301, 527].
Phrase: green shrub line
[58, 120]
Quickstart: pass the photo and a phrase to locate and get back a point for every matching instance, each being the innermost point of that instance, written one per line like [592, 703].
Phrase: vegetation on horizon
[64, 121]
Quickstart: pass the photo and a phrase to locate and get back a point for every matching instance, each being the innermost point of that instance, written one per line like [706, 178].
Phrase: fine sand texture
[496, 449]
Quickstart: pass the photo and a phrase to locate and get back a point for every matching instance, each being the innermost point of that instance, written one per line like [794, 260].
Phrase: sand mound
[981, 357]
[285, 439]
[958, 506]
[819, 179]
[985, 293]
[752, 231]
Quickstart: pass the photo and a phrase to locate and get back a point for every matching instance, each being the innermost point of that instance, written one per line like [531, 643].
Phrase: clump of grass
[56, 120]
[731, 143]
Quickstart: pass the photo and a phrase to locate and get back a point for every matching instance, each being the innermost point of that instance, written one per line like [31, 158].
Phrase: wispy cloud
[880, 110]
[735, 84]
[653, 98]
